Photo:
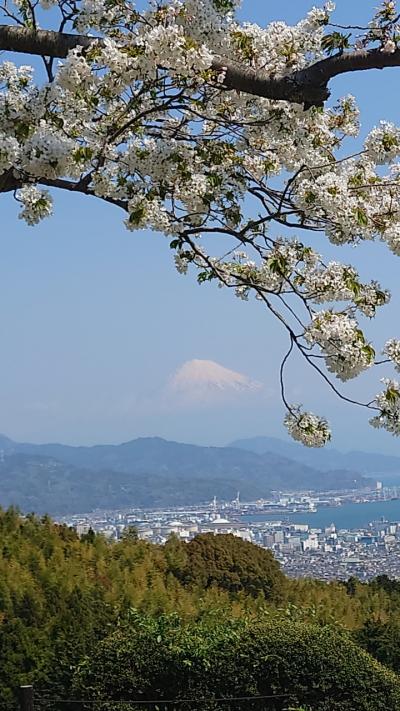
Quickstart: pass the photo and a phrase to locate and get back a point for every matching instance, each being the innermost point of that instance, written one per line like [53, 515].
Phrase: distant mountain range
[151, 472]
[323, 459]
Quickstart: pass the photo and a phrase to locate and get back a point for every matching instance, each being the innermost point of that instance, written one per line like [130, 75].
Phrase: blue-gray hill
[148, 472]
[323, 459]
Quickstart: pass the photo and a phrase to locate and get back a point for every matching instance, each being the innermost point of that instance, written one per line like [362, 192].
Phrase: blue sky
[94, 319]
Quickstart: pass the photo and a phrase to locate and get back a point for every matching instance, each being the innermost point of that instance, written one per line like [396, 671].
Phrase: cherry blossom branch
[307, 86]
[295, 340]
[282, 375]
[80, 187]
[9, 182]
[44, 43]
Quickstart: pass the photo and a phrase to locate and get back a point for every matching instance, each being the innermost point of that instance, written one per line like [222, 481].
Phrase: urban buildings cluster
[302, 549]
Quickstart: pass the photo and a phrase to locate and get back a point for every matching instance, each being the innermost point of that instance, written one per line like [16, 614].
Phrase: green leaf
[392, 394]
[205, 276]
[244, 43]
[82, 154]
[334, 41]
[361, 217]
[137, 215]
[277, 264]
[370, 352]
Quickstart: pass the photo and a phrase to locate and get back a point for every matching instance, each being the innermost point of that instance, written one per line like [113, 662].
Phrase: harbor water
[346, 516]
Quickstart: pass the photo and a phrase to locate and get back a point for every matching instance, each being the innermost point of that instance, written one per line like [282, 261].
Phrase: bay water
[347, 516]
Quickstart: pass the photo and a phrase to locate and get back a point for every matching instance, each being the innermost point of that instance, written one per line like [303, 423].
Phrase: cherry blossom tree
[220, 135]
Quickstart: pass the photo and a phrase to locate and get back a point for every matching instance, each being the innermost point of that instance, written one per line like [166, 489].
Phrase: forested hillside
[180, 618]
[149, 472]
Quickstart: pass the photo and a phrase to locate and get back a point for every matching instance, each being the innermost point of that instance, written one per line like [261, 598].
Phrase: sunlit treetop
[195, 124]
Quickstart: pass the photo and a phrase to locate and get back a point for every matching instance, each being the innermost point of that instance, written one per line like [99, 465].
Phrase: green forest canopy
[70, 607]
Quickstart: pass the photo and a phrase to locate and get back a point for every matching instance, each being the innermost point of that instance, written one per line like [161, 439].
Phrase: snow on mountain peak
[199, 379]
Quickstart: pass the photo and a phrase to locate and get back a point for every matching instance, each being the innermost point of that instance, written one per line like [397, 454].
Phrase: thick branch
[297, 88]
[8, 182]
[308, 86]
[45, 43]
[361, 60]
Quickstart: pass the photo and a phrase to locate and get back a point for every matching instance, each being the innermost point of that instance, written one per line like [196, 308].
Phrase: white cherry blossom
[343, 344]
[307, 428]
[392, 350]
[36, 204]
[388, 404]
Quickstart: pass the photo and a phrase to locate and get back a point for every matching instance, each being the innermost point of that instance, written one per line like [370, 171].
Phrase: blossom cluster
[273, 274]
[383, 28]
[290, 266]
[307, 428]
[388, 404]
[340, 282]
[392, 350]
[351, 200]
[383, 143]
[343, 344]
[36, 203]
